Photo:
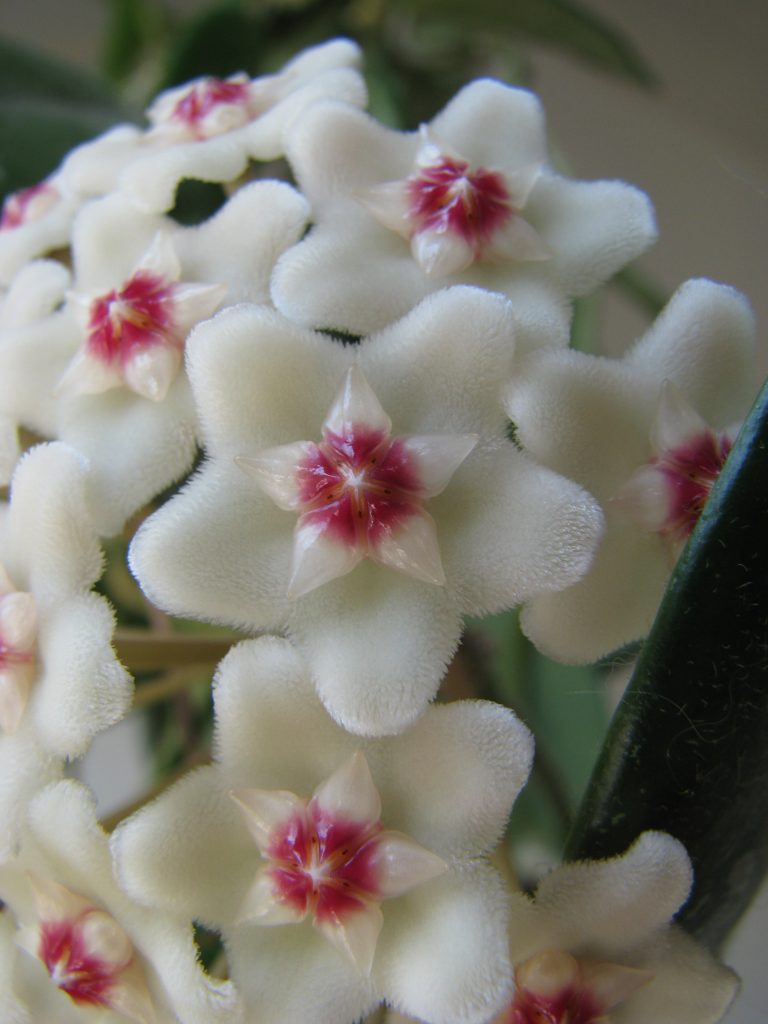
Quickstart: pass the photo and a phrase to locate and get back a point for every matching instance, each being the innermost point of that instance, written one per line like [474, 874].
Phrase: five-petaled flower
[378, 640]
[634, 432]
[469, 198]
[404, 905]
[596, 945]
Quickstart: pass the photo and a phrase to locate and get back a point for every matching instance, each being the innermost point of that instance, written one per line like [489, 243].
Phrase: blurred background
[669, 95]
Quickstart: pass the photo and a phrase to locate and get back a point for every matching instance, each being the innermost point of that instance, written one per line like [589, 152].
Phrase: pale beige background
[699, 146]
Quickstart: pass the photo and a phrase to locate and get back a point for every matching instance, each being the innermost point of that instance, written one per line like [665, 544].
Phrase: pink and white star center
[135, 333]
[18, 660]
[87, 953]
[667, 494]
[28, 205]
[554, 987]
[454, 214]
[360, 492]
[206, 108]
[329, 858]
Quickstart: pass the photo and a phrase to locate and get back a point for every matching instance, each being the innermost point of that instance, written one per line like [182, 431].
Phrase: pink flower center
[137, 316]
[359, 485]
[28, 205]
[689, 471]
[573, 1004]
[204, 97]
[448, 197]
[85, 977]
[324, 865]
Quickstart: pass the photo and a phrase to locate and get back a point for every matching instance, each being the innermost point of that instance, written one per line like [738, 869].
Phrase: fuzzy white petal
[442, 955]
[412, 626]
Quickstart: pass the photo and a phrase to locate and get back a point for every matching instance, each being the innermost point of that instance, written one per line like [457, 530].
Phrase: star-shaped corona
[87, 953]
[28, 205]
[668, 493]
[330, 858]
[135, 333]
[205, 108]
[360, 492]
[18, 638]
[554, 987]
[454, 214]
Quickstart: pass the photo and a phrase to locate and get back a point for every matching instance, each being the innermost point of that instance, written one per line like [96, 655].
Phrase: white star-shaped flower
[34, 221]
[468, 198]
[363, 581]
[647, 435]
[85, 951]
[210, 128]
[60, 682]
[105, 373]
[344, 872]
[595, 945]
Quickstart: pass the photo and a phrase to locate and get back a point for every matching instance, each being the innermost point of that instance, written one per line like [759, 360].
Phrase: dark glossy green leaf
[560, 23]
[687, 751]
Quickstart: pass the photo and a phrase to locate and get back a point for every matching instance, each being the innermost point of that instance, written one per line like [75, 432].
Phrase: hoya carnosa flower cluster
[359, 498]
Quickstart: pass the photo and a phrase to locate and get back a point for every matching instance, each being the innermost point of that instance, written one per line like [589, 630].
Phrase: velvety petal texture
[65, 857]
[379, 634]
[616, 914]
[447, 784]
[209, 129]
[468, 198]
[126, 404]
[634, 431]
[50, 551]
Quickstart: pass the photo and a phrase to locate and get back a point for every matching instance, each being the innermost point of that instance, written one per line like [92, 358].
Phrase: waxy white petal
[87, 375]
[15, 687]
[388, 203]
[104, 938]
[412, 548]
[265, 809]
[518, 240]
[317, 558]
[151, 371]
[645, 498]
[18, 620]
[356, 404]
[546, 973]
[613, 983]
[130, 996]
[441, 253]
[676, 420]
[261, 906]
[274, 470]
[402, 863]
[350, 792]
[356, 935]
[195, 302]
[437, 457]
[160, 259]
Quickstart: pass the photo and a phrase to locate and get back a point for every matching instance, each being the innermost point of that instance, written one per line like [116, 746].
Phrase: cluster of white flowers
[356, 499]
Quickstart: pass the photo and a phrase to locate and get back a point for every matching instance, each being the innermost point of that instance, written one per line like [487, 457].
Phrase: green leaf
[560, 23]
[134, 28]
[26, 74]
[687, 751]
